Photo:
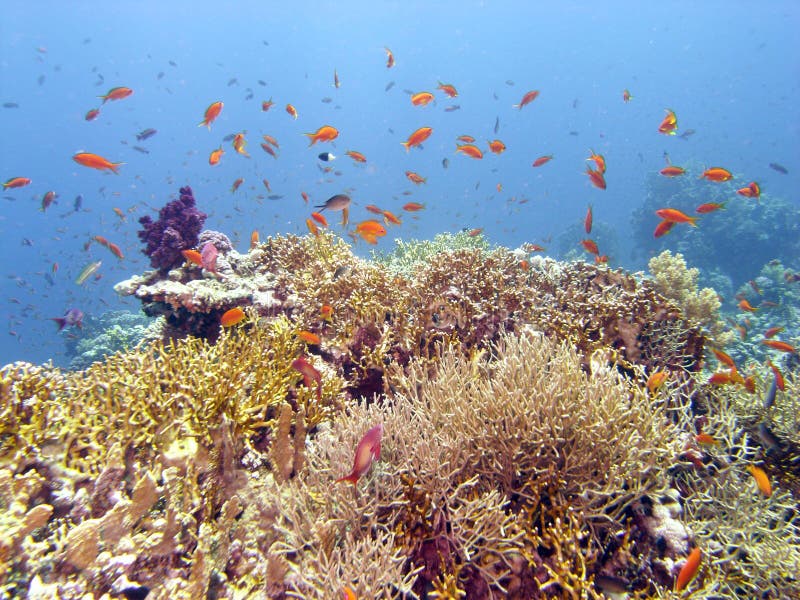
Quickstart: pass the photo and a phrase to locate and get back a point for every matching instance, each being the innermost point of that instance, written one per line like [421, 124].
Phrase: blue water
[728, 69]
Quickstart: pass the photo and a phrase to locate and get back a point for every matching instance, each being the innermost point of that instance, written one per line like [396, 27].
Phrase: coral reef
[674, 280]
[110, 332]
[775, 295]
[733, 240]
[409, 254]
[523, 455]
[178, 225]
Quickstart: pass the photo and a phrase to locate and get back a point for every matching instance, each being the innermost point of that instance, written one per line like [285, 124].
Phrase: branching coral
[674, 280]
[475, 464]
[406, 256]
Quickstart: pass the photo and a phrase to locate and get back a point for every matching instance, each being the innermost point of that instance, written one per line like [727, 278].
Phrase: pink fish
[367, 451]
[73, 317]
[309, 373]
[208, 257]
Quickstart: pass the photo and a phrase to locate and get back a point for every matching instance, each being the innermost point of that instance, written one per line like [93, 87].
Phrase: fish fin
[61, 321]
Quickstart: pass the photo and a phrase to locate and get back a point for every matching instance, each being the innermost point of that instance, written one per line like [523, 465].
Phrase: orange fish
[389, 58]
[542, 160]
[761, 479]
[92, 114]
[291, 110]
[689, 569]
[467, 139]
[309, 338]
[596, 177]
[391, 218]
[236, 184]
[656, 380]
[780, 382]
[719, 378]
[319, 218]
[475, 232]
[305, 198]
[772, 332]
[413, 206]
[724, 358]
[599, 160]
[672, 171]
[117, 93]
[497, 146]
[706, 439]
[670, 123]
[367, 451]
[421, 99]
[87, 159]
[17, 182]
[232, 317]
[470, 150]
[267, 185]
[626, 95]
[356, 156]
[448, 89]
[312, 227]
[254, 238]
[374, 209]
[745, 305]
[675, 216]
[415, 178]
[590, 246]
[193, 256]
[326, 133]
[212, 112]
[587, 222]
[239, 144]
[349, 594]
[213, 158]
[527, 99]
[326, 312]
[115, 250]
[780, 346]
[416, 138]
[751, 191]
[271, 140]
[601, 259]
[267, 104]
[119, 213]
[663, 228]
[268, 149]
[709, 207]
[309, 373]
[370, 231]
[717, 174]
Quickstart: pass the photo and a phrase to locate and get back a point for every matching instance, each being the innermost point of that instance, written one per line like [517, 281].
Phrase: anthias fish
[367, 451]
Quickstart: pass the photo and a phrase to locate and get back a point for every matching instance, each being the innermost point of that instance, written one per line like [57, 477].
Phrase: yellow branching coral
[674, 280]
[160, 393]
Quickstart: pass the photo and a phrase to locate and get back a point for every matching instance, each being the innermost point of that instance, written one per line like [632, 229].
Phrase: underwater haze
[730, 71]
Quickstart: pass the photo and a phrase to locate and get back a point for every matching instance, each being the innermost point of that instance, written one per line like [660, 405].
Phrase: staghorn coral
[674, 280]
[479, 462]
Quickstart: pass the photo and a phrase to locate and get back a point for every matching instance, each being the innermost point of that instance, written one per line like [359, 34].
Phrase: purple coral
[177, 228]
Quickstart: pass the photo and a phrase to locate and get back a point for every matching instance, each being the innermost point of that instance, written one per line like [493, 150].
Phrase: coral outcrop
[178, 225]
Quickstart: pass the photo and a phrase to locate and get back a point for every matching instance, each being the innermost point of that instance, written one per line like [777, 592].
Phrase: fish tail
[61, 321]
[406, 145]
[352, 478]
[115, 167]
